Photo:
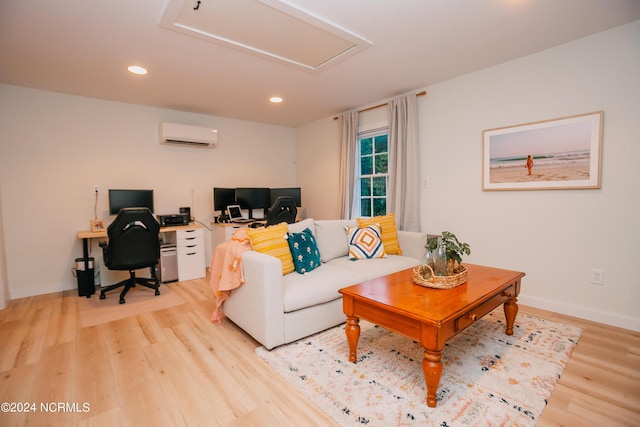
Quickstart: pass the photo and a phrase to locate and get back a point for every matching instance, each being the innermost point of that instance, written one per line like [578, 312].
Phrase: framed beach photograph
[555, 154]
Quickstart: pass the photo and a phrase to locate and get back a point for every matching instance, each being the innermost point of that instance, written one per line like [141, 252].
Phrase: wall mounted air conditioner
[196, 136]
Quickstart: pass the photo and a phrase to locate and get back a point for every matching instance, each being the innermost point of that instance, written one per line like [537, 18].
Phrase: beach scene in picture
[554, 153]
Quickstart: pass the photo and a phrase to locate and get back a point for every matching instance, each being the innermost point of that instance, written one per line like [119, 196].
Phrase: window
[373, 173]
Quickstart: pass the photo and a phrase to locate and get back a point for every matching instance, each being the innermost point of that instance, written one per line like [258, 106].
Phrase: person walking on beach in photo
[529, 164]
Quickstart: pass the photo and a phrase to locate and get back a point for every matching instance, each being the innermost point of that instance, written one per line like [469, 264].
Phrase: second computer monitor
[253, 198]
[274, 193]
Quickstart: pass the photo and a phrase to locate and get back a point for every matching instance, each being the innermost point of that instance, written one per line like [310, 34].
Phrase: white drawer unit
[220, 233]
[191, 253]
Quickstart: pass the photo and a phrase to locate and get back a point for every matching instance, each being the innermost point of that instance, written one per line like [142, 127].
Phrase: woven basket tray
[438, 282]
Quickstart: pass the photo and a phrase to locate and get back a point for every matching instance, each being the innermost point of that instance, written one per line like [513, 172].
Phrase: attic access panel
[269, 28]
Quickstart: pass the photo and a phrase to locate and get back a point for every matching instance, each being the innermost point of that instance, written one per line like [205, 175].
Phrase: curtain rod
[424, 92]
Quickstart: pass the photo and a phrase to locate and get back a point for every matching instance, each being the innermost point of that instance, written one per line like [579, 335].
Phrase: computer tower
[168, 271]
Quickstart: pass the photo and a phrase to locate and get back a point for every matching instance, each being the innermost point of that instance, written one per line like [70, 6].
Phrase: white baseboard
[581, 312]
[40, 290]
[50, 288]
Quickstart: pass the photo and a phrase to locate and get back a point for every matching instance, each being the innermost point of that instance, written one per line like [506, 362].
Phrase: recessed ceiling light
[275, 99]
[136, 69]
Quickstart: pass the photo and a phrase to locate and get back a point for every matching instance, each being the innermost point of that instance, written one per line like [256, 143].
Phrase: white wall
[318, 158]
[556, 237]
[4, 287]
[54, 148]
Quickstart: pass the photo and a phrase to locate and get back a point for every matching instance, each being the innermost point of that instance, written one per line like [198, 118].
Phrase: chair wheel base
[102, 296]
[157, 292]
[121, 300]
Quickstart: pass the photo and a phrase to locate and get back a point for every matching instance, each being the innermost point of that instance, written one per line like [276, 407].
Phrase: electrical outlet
[95, 188]
[597, 276]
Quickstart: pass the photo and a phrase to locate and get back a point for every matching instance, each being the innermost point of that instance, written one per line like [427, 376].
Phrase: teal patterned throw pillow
[304, 249]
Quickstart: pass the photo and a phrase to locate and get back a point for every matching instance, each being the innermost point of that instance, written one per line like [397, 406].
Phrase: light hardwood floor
[173, 367]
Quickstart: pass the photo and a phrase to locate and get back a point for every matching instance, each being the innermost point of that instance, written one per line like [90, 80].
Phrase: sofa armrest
[412, 243]
[258, 305]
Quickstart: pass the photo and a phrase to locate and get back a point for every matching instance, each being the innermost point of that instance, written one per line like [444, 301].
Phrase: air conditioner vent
[195, 136]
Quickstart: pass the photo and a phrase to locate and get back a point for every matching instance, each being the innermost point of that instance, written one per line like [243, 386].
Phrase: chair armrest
[412, 243]
[105, 252]
[258, 305]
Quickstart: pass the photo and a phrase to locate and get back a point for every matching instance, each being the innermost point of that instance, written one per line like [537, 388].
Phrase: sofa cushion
[389, 232]
[271, 241]
[304, 250]
[318, 287]
[365, 242]
[373, 268]
[331, 237]
[298, 227]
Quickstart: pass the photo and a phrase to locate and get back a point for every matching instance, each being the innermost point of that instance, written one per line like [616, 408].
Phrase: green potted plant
[454, 249]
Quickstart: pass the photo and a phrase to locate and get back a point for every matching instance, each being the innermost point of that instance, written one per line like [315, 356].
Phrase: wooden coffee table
[430, 316]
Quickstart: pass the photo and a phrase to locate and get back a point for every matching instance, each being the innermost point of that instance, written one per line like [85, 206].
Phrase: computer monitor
[223, 197]
[253, 198]
[119, 199]
[274, 193]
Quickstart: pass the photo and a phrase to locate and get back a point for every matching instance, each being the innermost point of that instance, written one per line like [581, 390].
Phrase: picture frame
[565, 154]
[97, 225]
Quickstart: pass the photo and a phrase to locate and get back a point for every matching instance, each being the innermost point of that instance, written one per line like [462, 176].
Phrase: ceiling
[83, 48]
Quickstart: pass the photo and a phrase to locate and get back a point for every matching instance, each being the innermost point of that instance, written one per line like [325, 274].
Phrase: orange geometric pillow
[365, 242]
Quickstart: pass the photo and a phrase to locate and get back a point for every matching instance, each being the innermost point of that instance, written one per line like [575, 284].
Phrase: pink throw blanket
[226, 269]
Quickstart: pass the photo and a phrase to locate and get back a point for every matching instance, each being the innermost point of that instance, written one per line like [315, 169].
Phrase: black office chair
[283, 210]
[134, 243]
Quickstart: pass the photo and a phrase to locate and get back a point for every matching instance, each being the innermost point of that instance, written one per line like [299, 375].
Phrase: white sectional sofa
[276, 309]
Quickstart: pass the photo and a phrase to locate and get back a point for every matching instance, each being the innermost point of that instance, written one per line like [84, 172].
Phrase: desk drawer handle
[473, 317]
[191, 253]
[506, 294]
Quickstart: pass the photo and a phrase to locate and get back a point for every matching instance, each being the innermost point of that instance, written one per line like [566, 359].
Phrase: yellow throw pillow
[271, 241]
[388, 229]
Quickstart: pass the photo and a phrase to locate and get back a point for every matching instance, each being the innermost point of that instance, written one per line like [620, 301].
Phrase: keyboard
[241, 221]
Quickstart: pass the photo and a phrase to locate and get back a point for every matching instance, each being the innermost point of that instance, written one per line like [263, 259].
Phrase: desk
[222, 231]
[189, 240]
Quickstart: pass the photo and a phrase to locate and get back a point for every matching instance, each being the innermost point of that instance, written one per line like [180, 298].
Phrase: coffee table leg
[432, 370]
[353, 335]
[510, 311]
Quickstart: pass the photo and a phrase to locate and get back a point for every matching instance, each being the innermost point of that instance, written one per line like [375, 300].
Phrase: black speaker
[186, 210]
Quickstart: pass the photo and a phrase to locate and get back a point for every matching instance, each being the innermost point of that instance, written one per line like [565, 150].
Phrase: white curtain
[403, 194]
[348, 156]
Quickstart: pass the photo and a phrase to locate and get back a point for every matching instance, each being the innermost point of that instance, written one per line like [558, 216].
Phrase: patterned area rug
[489, 378]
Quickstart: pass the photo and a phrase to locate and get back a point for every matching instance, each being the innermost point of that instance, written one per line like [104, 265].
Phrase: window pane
[382, 163]
[366, 165]
[380, 186]
[365, 207]
[373, 160]
[365, 187]
[379, 207]
[366, 146]
[382, 144]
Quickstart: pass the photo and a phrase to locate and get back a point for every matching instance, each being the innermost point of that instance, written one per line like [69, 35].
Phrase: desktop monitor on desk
[250, 198]
[294, 193]
[223, 197]
[253, 198]
[119, 199]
